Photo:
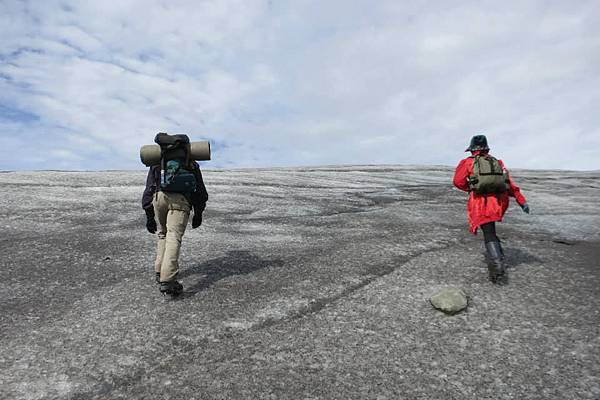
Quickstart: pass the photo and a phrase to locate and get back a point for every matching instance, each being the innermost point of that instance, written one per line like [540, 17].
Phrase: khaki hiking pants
[173, 212]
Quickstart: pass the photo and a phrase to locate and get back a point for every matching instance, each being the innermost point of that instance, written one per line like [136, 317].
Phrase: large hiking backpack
[488, 176]
[175, 164]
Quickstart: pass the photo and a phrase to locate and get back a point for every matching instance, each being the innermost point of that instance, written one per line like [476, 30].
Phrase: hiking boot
[173, 288]
[495, 262]
[157, 277]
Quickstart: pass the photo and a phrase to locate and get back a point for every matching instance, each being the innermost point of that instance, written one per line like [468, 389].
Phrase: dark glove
[197, 219]
[150, 221]
[525, 208]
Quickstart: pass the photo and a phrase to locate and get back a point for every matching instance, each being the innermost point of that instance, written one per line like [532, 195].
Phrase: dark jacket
[198, 198]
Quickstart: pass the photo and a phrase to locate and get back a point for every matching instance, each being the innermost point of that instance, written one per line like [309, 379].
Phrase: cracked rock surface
[302, 283]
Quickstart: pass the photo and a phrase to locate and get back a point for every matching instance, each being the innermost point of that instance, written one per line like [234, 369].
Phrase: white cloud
[287, 83]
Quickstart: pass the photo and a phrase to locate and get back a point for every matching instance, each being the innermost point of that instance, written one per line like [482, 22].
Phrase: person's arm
[147, 200]
[461, 175]
[199, 198]
[150, 189]
[515, 191]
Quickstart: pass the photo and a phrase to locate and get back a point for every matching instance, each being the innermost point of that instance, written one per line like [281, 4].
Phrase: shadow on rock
[515, 257]
[237, 262]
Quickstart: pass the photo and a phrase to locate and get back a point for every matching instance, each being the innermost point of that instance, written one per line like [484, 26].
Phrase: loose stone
[450, 300]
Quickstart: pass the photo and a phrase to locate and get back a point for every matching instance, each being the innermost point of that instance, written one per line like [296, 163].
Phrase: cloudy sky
[275, 83]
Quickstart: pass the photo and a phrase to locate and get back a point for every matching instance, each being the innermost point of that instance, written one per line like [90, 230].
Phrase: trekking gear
[150, 221]
[496, 270]
[173, 288]
[488, 175]
[478, 142]
[525, 208]
[151, 154]
[176, 165]
[501, 252]
[176, 178]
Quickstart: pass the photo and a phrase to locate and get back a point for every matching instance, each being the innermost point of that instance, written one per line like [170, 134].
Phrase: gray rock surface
[305, 283]
[450, 300]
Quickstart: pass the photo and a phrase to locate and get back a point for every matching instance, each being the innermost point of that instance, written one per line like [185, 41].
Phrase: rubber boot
[495, 263]
[501, 251]
[173, 288]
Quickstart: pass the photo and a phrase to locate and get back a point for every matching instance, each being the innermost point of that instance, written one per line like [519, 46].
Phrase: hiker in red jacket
[489, 186]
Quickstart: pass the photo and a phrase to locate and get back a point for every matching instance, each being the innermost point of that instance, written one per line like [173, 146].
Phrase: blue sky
[278, 83]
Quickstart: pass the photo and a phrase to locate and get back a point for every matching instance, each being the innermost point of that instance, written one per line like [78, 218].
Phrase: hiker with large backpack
[490, 187]
[173, 189]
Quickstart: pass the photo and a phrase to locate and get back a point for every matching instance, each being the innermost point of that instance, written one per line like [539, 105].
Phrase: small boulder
[450, 300]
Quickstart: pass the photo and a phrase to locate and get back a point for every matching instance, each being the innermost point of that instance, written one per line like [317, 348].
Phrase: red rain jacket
[484, 208]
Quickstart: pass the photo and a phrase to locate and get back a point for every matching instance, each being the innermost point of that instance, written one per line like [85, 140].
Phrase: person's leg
[489, 232]
[177, 219]
[489, 235]
[494, 251]
[161, 209]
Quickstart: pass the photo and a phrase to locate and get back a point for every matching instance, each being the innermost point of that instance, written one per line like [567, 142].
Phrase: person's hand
[150, 221]
[525, 208]
[196, 220]
[151, 225]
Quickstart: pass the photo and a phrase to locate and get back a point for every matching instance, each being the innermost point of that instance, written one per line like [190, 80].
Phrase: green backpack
[176, 178]
[488, 176]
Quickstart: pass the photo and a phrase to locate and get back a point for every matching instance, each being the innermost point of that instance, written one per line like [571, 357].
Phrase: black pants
[489, 232]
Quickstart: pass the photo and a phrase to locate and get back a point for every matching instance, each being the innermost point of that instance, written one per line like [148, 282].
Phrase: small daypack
[176, 175]
[488, 176]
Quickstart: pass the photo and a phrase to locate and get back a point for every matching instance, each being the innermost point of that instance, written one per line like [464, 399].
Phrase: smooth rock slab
[450, 300]
[300, 284]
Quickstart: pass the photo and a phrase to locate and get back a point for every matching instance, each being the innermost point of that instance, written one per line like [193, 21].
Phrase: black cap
[478, 142]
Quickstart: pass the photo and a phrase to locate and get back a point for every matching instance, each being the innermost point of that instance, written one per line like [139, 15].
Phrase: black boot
[501, 251]
[173, 288]
[158, 277]
[495, 263]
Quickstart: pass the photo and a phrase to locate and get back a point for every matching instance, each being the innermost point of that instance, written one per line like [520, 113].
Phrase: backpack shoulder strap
[475, 164]
[188, 156]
